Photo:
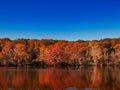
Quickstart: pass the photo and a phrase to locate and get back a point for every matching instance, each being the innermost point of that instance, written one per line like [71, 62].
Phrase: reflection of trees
[96, 78]
[49, 79]
[58, 79]
[111, 78]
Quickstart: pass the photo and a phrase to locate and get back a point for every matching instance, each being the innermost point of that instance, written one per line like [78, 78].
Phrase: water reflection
[84, 78]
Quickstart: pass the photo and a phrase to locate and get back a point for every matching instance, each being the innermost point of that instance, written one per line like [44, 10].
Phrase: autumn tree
[56, 53]
[21, 56]
[96, 52]
[7, 54]
[76, 52]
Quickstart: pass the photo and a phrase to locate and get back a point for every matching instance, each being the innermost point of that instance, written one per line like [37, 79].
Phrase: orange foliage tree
[20, 54]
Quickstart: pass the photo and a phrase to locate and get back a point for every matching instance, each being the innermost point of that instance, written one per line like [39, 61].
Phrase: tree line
[59, 52]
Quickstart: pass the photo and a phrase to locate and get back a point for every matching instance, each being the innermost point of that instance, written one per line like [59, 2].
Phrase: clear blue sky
[60, 19]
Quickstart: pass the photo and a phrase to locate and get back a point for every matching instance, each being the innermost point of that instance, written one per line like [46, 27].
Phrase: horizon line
[57, 39]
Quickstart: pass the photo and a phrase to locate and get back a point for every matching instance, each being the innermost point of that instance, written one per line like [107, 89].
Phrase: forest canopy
[59, 52]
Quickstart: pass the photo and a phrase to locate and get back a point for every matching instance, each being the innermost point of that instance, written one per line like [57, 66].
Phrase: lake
[82, 78]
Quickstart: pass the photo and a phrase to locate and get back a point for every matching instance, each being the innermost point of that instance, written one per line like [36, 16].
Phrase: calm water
[89, 78]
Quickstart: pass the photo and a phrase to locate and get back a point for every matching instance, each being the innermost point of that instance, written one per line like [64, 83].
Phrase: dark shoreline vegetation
[59, 53]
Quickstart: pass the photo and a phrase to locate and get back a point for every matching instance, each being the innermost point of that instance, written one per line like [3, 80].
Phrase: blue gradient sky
[60, 19]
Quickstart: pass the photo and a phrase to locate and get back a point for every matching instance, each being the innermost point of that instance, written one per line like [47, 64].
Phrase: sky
[60, 19]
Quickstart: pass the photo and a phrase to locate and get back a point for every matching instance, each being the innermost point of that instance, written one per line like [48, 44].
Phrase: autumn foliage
[59, 52]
